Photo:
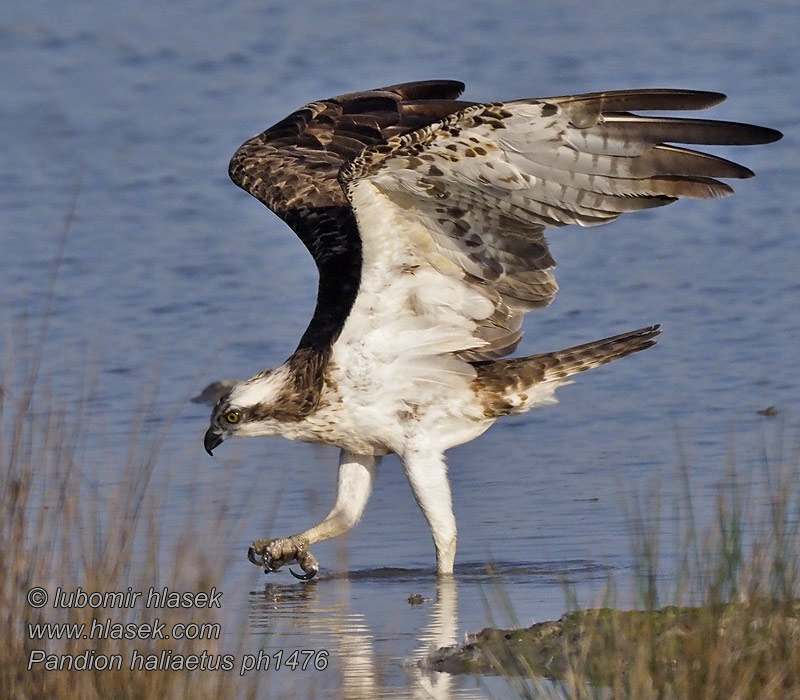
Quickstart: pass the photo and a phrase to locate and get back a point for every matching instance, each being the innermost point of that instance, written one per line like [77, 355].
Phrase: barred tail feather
[517, 384]
[564, 363]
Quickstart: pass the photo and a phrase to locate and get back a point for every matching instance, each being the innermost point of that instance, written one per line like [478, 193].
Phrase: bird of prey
[426, 218]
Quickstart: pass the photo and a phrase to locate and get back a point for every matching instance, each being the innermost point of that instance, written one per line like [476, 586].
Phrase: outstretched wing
[454, 213]
[293, 166]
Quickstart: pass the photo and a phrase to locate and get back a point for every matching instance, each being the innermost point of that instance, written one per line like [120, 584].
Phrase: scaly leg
[427, 474]
[354, 486]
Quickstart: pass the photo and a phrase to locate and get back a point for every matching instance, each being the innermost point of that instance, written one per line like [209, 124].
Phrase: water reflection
[440, 631]
[378, 636]
[324, 614]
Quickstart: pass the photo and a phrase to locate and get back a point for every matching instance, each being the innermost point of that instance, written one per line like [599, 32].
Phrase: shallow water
[171, 278]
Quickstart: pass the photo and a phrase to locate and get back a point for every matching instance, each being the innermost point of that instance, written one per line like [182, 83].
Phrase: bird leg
[427, 475]
[354, 486]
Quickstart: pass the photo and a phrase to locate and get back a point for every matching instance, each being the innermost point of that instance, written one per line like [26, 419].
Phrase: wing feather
[437, 207]
[294, 164]
[483, 183]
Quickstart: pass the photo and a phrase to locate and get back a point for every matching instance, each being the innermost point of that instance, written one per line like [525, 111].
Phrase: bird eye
[232, 417]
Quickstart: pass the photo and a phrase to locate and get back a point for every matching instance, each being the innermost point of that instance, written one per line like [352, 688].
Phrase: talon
[308, 563]
[258, 554]
[254, 558]
[273, 554]
[304, 577]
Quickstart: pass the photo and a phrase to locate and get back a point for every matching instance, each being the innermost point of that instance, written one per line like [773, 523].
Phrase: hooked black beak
[213, 437]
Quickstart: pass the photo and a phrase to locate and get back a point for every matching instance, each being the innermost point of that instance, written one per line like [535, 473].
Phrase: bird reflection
[440, 631]
[325, 613]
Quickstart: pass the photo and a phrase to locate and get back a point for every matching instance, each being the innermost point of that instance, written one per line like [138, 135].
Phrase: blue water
[171, 277]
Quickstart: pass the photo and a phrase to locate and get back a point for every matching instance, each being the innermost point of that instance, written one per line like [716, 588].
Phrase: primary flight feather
[426, 216]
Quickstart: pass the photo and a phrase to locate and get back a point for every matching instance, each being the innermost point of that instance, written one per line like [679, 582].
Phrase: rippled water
[171, 277]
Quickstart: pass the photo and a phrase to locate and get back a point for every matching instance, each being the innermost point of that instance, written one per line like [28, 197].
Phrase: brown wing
[292, 167]
[294, 164]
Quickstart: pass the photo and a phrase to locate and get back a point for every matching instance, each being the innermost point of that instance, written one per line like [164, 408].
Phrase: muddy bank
[598, 640]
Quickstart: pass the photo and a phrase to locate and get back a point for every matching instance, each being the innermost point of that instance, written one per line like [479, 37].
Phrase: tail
[517, 384]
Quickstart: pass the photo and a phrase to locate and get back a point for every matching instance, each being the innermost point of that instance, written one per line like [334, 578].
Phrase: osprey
[426, 216]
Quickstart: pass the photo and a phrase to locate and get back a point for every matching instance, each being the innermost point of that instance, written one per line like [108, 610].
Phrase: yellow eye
[232, 416]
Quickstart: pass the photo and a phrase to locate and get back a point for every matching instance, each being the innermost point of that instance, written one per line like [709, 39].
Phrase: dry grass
[58, 530]
[731, 630]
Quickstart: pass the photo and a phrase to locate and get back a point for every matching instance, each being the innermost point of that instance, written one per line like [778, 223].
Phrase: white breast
[393, 368]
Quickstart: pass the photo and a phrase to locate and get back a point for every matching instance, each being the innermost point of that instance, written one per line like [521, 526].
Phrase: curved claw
[259, 560]
[305, 577]
[252, 556]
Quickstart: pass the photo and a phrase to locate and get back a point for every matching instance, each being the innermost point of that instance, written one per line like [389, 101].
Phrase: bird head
[250, 408]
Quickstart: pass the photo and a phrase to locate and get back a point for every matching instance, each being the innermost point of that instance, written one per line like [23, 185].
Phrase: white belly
[366, 417]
